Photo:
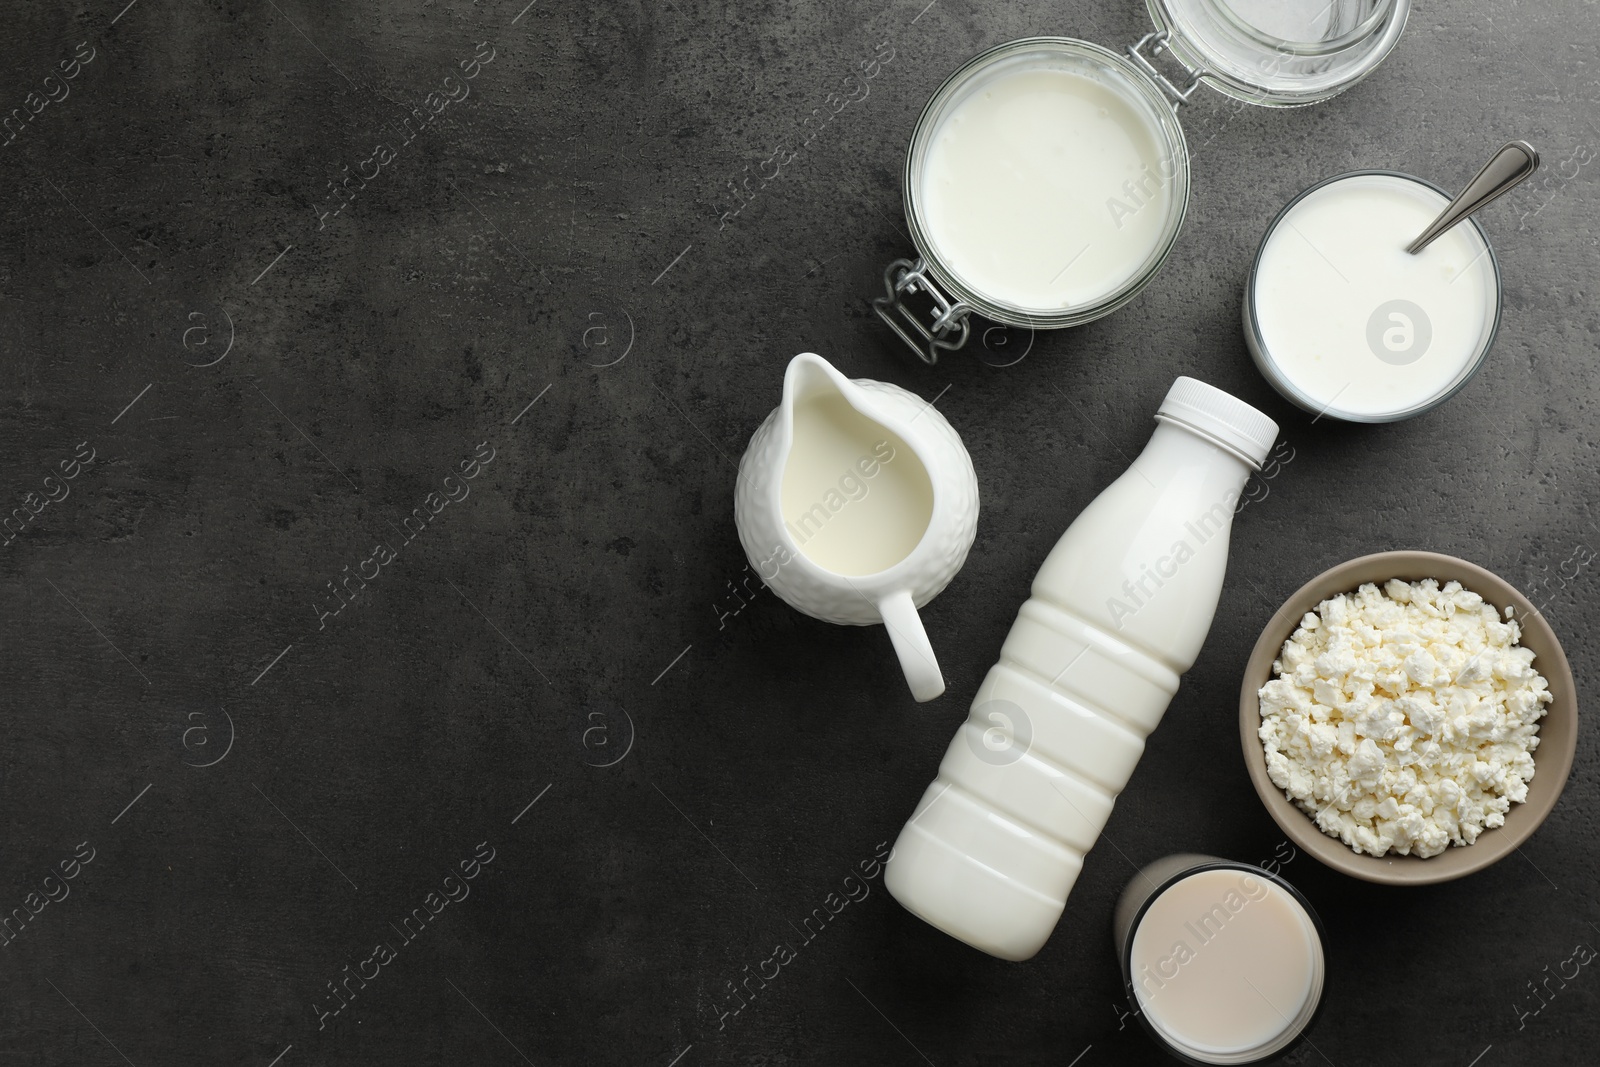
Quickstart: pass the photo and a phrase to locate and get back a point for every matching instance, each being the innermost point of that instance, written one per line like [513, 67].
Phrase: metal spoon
[1509, 167]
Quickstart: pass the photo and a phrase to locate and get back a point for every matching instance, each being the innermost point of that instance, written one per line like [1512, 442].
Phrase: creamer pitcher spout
[812, 378]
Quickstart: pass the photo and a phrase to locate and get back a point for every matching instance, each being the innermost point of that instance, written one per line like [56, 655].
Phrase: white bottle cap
[1221, 418]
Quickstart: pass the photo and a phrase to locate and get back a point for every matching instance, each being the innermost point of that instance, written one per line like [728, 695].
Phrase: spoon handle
[1509, 167]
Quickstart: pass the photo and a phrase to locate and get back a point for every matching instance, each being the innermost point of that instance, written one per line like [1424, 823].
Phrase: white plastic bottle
[1118, 611]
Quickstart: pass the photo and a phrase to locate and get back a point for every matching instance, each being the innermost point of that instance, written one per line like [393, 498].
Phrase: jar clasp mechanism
[950, 328]
[1158, 43]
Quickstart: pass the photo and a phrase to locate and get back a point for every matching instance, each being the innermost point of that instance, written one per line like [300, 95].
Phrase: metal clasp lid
[904, 276]
[1158, 44]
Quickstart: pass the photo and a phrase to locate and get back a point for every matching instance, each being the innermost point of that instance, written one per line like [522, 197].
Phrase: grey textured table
[271, 374]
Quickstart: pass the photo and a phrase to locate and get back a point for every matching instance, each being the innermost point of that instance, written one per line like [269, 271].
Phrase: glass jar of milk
[1047, 178]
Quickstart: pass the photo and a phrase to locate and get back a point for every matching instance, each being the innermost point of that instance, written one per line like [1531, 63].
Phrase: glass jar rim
[1170, 136]
[1360, 31]
[1268, 364]
[1253, 76]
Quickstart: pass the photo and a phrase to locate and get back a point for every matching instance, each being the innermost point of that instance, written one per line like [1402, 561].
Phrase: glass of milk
[1047, 178]
[1344, 322]
[1223, 962]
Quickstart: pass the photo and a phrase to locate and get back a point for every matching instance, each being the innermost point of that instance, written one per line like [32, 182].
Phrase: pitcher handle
[911, 644]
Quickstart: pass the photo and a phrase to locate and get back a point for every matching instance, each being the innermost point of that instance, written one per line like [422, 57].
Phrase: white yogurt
[1046, 188]
[1353, 323]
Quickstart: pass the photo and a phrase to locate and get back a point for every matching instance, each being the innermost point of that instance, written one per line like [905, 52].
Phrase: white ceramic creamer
[1119, 610]
[856, 504]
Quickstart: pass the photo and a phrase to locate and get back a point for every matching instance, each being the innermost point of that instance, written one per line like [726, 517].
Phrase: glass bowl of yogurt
[1344, 322]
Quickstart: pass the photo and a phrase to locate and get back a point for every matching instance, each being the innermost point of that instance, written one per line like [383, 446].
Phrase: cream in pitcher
[855, 498]
[1119, 610]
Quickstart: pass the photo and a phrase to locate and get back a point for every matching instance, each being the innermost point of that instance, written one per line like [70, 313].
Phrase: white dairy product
[855, 497]
[1355, 323]
[1223, 963]
[1404, 719]
[1118, 611]
[1046, 188]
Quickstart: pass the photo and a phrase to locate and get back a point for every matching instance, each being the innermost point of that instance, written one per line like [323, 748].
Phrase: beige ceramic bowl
[1558, 730]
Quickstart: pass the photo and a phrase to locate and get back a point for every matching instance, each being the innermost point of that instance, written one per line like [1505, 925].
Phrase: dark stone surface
[177, 588]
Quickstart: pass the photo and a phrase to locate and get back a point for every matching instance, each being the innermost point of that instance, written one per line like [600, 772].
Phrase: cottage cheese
[1404, 719]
